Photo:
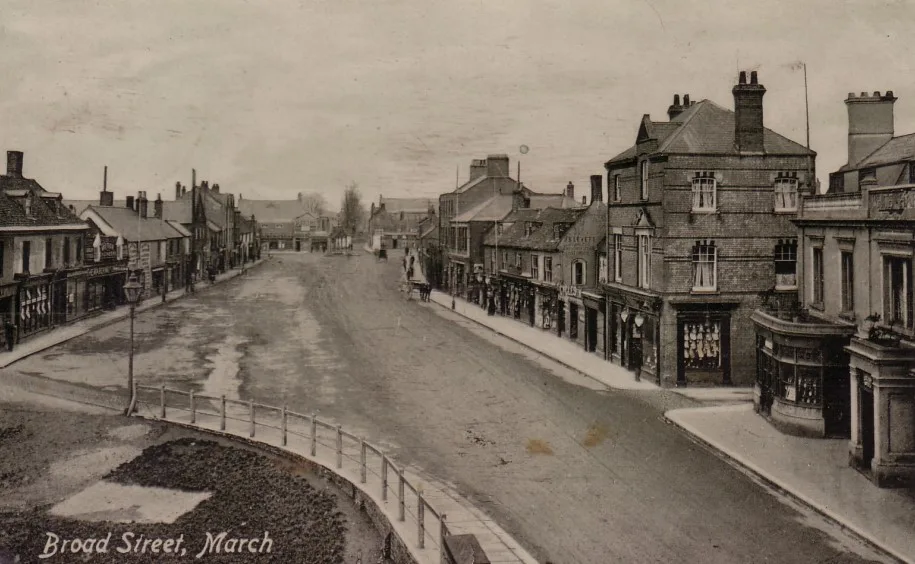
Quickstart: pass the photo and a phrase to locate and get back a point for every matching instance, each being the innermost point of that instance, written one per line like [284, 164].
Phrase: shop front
[547, 307]
[95, 288]
[703, 343]
[517, 299]
[36, 308]
[575, 312]
[802, 382]
[595, 311]
[8, 313]
[634, 332]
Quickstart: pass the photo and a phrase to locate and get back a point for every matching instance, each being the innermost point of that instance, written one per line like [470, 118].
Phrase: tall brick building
[699, 224]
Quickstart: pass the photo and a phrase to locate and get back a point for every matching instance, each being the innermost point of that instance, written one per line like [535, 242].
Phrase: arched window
[579, 273]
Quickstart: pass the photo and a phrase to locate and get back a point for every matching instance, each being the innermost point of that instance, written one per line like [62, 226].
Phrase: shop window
[786, 264]
[817, 276]
[705, 197]
[702, 345]
[897, 300]
[705, 266]
[848, 281]
[786, 193]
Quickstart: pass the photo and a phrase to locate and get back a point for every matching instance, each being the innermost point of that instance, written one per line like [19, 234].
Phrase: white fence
[319, 434]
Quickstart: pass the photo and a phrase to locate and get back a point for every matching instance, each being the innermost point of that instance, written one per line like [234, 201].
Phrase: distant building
[700, 211]
[282, 224]
[395, 222]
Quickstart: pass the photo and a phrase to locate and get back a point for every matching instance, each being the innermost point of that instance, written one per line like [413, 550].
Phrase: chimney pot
[183, 190]
[570, 190]
[889, 93]
[686, 99]
[177, 190]
[157, 206]
[129, 203]
[216, 188]
[864, 94]
[753, 79]
[851, 94]
[676, 99]
[743, 77]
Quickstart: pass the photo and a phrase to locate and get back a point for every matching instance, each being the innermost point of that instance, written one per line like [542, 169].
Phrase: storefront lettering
[107, 250]
[103, 270]
[570, 291]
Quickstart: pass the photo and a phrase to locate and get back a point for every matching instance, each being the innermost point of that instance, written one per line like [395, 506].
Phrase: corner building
[699, 226]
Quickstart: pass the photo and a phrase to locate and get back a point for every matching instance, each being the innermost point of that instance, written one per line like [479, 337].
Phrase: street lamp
[132, 292]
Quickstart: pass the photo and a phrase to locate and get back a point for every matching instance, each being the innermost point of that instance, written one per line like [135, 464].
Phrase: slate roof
[43, 213]
[177, 210]
[80, 205]
[707, 128]
[407, 205]
[178, 227]
[896, 150]
[128, 224]
[543, 237]
[493, 209]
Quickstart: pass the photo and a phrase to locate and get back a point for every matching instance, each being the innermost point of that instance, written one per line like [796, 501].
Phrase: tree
[313, 203]
[351, 209]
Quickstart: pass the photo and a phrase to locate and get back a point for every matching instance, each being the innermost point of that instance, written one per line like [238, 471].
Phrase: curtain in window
[786, 194]
[704, 263]
[703, 193]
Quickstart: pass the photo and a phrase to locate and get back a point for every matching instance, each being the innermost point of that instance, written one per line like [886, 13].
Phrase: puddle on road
[223, 378]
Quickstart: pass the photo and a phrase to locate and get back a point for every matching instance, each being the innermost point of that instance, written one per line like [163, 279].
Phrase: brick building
[395, 223]
[843, 363]
[700, 211]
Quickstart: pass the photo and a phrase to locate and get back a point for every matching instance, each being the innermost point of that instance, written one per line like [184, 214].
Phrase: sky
[272, 98]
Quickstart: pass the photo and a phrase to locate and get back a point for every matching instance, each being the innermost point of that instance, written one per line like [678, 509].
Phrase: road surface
[576, 472]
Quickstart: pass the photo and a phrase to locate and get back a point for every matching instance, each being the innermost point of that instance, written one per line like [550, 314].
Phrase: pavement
[814, 472]
[64, 333]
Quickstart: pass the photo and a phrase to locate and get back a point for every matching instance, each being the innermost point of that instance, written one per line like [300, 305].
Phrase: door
[298, 246]
[573, 321]
[764, 366]
[866, 396]
[590, 329]
[635, 348]
[560, 318]
[836, 402]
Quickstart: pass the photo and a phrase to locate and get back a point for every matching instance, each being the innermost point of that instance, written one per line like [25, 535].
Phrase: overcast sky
[270, 98]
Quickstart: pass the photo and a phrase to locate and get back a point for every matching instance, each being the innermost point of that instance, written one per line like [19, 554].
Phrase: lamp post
[132, 292]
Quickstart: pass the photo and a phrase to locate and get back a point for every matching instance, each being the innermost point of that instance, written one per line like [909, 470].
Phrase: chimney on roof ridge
[129, 203]
[497, 166]
[676, 109]
[870, 123]
[157, 206]
[142, 203]
[14, 163]
[216, 188]
[748, 114]
[570, 190]
[597, 188]
[177, 190]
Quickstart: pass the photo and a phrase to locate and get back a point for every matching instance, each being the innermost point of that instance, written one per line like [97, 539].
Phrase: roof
[705, 128]
[543, 236]
[267, 211]
[178, 227]
[43, 212]
[178, 210]
[540, 201]
[897, 149]
[407, 205]
[430, 233]
[493, 209]
[127, 223]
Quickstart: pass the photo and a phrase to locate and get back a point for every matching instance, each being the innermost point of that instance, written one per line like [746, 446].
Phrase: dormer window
[27, 204]
[528, 229]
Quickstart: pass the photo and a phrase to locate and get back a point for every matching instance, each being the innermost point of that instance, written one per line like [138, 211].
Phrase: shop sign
[570, 291]
[107, 250]
[103, 270]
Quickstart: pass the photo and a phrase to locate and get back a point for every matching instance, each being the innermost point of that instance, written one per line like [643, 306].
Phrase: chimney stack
[106, 198]
[497, 166]
[183, 190]
[519, 201]
[142, 203]
[157, 206]
[477, 168]
[14, 164]
[748, 114]
[129, 203]
[676, 109]
[216, 188]
[570, 190]
[597, 188]
[870, 123]
[177, 190]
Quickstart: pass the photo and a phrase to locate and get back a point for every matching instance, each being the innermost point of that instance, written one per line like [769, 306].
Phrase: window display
[702, 345]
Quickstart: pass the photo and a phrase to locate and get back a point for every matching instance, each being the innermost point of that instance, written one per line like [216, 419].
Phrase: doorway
[561, 318]
[634, 347]
[298, 246]
[573, 321]
[590, 329]
[866, 400]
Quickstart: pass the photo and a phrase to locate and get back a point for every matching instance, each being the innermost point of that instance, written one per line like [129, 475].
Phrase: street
[575, 472]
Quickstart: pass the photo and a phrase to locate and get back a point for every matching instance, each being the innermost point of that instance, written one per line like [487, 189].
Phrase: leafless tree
[313, 203]
[352, 211]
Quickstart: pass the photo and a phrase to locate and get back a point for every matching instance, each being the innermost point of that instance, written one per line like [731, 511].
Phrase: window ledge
[790, 288]
[785, 211]
[705, 211]
[817, 305]
[695, 290]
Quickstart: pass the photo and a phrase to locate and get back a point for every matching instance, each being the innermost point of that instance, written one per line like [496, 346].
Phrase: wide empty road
[577, 473]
